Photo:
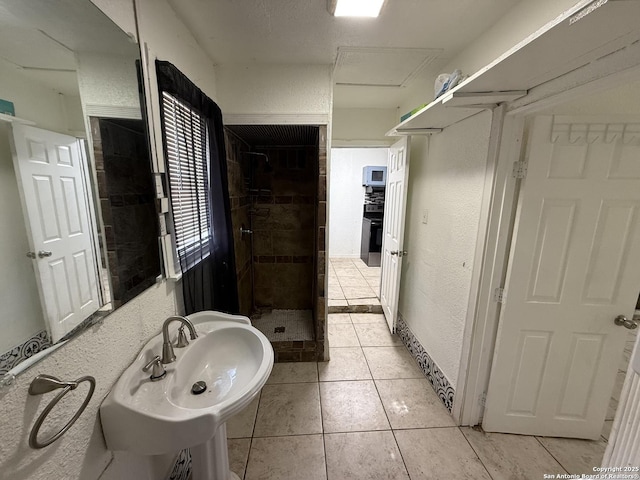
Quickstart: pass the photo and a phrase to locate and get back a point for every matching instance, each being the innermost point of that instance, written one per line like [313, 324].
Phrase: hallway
[370, 414]
[353, 286]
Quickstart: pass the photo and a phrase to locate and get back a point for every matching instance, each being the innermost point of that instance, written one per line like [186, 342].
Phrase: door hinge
[519, 169]
[498, 295]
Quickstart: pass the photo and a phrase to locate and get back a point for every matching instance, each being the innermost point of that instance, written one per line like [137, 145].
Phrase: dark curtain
[211, 284]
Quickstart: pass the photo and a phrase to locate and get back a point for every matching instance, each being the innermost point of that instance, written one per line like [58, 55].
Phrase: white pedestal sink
[143, 417]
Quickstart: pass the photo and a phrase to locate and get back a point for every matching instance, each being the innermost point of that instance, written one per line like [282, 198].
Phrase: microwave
[374, 176]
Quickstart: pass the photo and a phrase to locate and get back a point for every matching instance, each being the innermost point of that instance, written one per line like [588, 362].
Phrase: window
[187, 150]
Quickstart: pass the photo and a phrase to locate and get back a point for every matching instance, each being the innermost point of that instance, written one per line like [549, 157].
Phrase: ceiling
[303, 32]
[40, 38]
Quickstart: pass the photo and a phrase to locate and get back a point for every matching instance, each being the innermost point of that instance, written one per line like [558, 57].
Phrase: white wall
[346, 197]
[360, 127]
[105, 351]
[21, 312]
[33, 101]
[274, 89]
[446, 179]
[108, 80]
[517, 24]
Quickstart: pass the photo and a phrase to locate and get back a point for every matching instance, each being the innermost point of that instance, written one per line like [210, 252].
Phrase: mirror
[79, 232]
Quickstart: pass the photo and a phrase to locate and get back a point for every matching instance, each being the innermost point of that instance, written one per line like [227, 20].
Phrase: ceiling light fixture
[355, 8]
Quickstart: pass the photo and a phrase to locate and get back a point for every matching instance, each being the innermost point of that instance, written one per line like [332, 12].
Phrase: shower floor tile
[285, 325]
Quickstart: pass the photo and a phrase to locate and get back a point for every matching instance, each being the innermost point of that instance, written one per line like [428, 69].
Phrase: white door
[573, 269]
[54, 201]
[392, 245]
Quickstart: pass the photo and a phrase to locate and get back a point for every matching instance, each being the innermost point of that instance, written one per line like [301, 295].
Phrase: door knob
[394, 252]
[31, 254]
[400, 253]
[43, 254]
[623, 321]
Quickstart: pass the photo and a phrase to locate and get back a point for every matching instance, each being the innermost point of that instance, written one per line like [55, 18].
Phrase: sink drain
[199, 387]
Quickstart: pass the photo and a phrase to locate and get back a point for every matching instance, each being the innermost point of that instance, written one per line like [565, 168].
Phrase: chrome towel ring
[47, 383]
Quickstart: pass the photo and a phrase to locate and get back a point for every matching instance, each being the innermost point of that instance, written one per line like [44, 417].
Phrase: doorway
[356, 214]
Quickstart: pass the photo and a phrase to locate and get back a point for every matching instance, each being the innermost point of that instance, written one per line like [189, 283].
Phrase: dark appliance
[371, 241]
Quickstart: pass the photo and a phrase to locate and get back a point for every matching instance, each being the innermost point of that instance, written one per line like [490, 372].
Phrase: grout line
[324, 443]
[476, 453]
[395, 439]
[386, 414]
[549, 452]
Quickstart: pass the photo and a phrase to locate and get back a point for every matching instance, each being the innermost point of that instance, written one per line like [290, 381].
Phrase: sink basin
[143, 417]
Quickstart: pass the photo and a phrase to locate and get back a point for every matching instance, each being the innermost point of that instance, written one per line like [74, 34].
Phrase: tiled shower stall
[277, 185]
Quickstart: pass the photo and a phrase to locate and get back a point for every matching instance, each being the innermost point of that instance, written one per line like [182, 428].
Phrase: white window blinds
[187, 145]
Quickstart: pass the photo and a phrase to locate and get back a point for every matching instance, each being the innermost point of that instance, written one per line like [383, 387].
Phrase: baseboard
[438, 381]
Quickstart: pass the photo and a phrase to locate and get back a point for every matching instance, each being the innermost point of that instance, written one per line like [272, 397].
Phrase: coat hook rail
[45, 384]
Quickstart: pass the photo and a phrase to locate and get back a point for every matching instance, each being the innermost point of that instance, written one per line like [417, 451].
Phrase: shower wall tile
[284, 234]
[293, 242]
[127, 202]
[237, 171]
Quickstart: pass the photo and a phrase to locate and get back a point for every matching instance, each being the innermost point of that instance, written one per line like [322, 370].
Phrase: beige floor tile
[342, 335]
[241, 424]
[352, 281]
[358, 262]
[617, 387]
[335, 293]
[334, 318]
[376, 335]
[575, 456]
[337, 303]
[439, 454]
[346, 270]
[606, 429]
[294, 372]
[363, 301]
[368, 318]
[347, 363]
[342, 260]
[611, 409]
[333, 281]
[509, 457]
[371, 272]
[373, 282]
[391, 363]
[351, 407]
[358, 292]
[289, 409]
[412, 403]
[287, 458]
[364, 455]
[624, 361]
[238, 455]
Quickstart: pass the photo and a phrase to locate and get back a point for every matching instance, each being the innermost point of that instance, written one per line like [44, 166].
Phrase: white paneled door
[394, 215]
[54, 201]
[573, 268]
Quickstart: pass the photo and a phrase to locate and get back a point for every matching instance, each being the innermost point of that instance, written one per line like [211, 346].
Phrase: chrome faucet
[167, 349]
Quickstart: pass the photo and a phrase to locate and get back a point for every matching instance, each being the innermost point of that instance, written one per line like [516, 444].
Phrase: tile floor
[352, 282]
[370, 414]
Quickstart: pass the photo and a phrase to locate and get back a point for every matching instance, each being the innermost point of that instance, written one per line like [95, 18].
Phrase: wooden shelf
[559, 47]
